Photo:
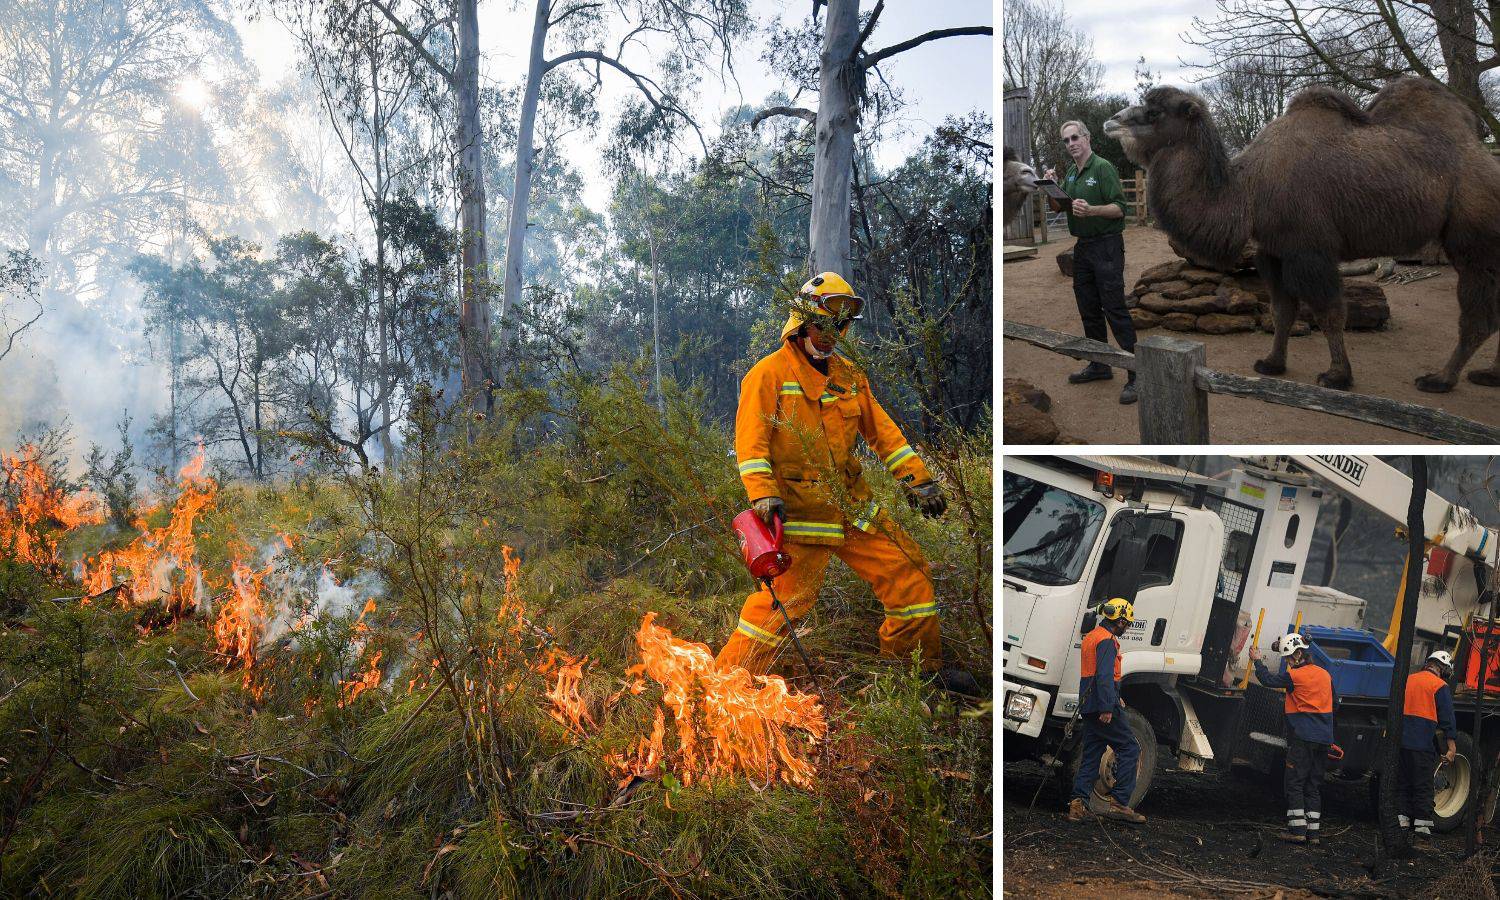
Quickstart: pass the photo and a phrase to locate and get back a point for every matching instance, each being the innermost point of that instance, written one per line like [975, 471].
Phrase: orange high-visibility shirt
[1312, 690]
[1089, 664]
[1421, 694]
[794, 438]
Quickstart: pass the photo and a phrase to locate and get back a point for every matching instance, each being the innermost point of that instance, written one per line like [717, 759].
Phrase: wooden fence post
[1172, 408]
[1140, 196]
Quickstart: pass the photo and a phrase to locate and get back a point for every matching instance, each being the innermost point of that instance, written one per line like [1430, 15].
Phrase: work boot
[1091, 372]
[1128, 395]
[955, 681]
[1078, 810]
[1122, 813]
[1314, 841]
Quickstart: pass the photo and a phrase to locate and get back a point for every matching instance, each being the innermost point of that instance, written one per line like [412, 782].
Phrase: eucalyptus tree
[844, 64]
[666, 45]
[87, 88]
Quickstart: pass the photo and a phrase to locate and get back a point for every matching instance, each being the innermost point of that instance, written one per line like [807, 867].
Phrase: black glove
[769, 507]
[928, 497]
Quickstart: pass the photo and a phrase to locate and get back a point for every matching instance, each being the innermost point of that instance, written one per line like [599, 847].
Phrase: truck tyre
[1145, 766]
[1456, 786]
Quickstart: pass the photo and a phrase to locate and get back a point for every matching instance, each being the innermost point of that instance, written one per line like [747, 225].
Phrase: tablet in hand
[1050, 188]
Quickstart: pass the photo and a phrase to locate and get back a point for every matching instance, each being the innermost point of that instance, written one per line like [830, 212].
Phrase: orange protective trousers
[890, 563]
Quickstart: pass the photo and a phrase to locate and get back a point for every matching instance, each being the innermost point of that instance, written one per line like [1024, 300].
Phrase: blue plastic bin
[1359, 665]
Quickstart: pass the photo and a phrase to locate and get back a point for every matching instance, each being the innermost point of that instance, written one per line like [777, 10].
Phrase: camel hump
[1323, 97]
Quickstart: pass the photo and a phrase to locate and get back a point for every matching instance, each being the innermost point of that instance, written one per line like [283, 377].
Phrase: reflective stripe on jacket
[1101, 652]
[794, 438]
[1429, 705]
[1309, 699]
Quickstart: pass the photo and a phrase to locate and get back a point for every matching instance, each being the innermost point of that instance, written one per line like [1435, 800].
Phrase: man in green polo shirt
[1097, 218]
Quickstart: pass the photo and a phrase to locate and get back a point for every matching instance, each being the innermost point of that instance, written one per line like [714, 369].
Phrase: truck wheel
[1145, 768]
[1456, 786]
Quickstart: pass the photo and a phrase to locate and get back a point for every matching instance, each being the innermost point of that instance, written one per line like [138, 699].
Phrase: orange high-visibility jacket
[794, 438]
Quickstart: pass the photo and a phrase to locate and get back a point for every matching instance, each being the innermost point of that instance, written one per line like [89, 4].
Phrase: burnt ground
[1212, 835]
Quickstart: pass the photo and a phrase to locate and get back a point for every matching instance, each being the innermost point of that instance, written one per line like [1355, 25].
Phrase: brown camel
[1328, 182]
[1020, 180]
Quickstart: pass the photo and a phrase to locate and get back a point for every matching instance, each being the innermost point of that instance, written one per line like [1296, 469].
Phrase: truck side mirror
[1090, 622]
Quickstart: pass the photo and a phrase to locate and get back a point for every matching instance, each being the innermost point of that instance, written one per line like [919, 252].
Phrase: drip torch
[764, 556]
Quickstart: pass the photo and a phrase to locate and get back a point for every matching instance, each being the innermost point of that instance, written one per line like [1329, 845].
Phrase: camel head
[1167, 117]
[1018, 175]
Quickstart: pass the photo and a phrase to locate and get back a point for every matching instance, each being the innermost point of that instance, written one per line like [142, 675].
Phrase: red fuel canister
[760, 546]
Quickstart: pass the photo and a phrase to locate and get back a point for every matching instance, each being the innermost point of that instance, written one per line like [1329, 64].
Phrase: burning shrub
[35, 509]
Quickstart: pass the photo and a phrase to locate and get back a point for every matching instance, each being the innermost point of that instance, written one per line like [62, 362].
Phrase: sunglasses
[1069, 140]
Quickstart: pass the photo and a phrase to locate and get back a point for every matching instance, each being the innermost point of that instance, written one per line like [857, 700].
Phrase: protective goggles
[838, 310]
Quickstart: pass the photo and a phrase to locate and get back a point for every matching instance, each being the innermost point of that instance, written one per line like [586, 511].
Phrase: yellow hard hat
[1118, 608]
[828, 295]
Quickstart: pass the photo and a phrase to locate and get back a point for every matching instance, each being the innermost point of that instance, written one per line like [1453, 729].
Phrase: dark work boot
[1091, 372]
[1128, 395]
[955, 681]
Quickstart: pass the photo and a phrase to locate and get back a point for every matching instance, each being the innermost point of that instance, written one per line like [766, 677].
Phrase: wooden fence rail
[1174, 381]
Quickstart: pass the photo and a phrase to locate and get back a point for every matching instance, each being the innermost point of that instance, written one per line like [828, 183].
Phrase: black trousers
[1414, 785]
[1305, 762]
[1099, 288]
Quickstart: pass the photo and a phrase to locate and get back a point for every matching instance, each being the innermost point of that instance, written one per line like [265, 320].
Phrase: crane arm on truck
[1384, 489]
[1387, 491]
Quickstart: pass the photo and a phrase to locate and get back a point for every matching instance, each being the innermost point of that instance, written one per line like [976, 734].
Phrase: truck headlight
[1018, 706]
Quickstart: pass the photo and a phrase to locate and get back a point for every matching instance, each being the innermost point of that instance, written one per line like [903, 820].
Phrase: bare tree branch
[874, 59]
[796, 112]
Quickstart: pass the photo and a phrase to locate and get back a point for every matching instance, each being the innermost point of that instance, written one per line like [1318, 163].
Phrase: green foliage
[155, 771]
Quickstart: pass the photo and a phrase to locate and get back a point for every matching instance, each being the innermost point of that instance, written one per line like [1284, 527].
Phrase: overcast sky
[941, 78]
[1125, 31]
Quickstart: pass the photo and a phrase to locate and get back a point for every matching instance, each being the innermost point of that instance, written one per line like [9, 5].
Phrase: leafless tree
[1045, 54]
[1357, 44]
[1245, 95]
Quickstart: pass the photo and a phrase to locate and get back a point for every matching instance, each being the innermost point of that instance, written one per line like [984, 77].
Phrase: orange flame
[238, 626]
[35, 511]
[727, 722]
[370, 678]
[568, 706]
[150, 560]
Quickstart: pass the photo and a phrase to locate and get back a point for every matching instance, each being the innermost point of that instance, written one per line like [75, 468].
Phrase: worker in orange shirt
[1429, 706]
[801, 410]
[1104, 723]
[1309, 718]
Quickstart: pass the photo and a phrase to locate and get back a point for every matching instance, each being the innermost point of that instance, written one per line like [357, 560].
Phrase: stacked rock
[1182, 296]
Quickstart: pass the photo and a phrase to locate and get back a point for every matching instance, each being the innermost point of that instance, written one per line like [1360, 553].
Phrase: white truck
[1210, 564]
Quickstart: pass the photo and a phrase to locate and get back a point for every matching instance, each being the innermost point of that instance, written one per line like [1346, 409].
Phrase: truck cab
[1072, 543]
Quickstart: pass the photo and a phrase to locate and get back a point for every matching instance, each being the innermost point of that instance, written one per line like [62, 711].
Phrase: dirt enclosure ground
[1418, 340]
[1211, 835]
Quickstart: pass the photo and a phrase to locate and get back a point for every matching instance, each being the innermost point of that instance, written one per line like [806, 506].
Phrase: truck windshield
[1048, 531]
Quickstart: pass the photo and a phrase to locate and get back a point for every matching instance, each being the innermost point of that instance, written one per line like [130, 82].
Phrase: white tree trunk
[661, 402]
[474, 315]
[520, 200]
[828, 234]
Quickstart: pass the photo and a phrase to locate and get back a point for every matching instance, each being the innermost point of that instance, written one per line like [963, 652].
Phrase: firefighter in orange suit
[801, 410]
[1429, 706]
[1309, 719]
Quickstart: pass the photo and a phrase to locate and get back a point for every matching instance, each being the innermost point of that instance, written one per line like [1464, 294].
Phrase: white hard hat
[1292, 643]
[1441, 656]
